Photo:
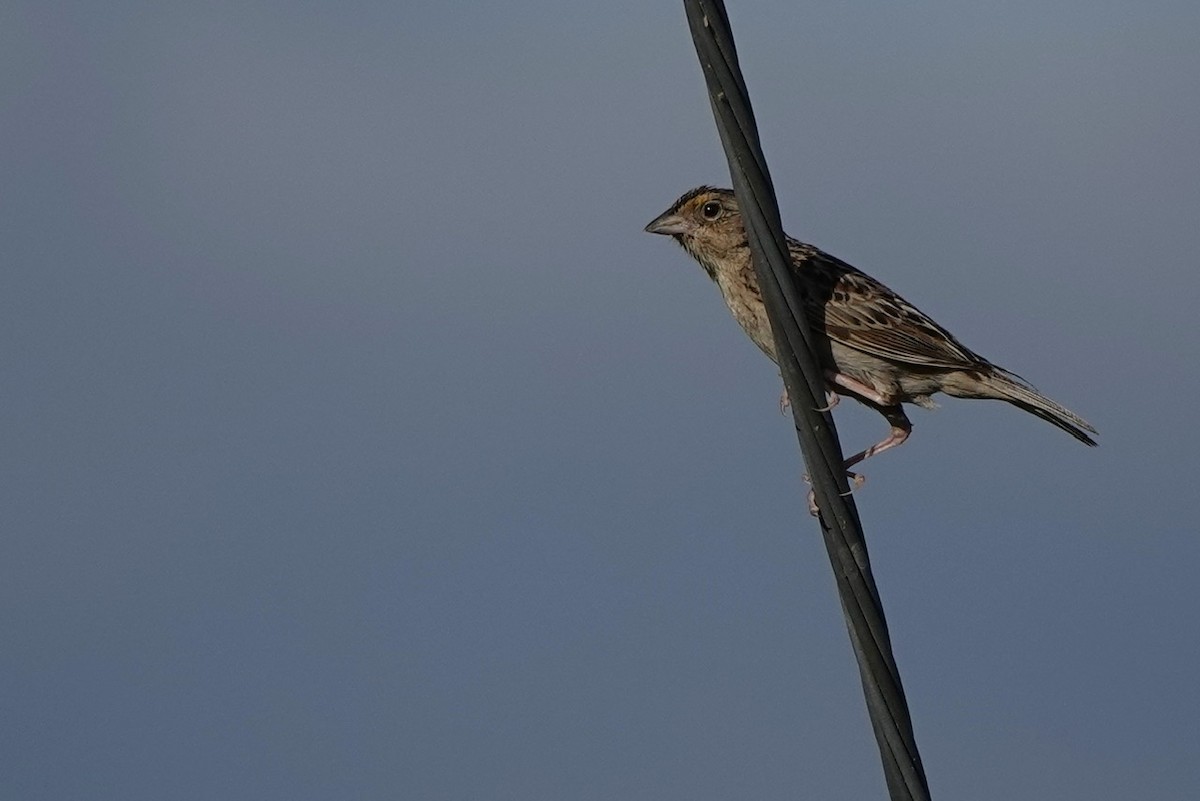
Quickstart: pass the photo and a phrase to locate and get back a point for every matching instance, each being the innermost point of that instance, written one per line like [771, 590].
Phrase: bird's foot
[856, 482]
[831, 399]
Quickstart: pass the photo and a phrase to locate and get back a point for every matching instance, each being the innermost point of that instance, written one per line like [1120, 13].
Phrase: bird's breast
[741, 294]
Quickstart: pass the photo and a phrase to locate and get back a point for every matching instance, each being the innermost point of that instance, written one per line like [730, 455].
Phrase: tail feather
[1011, 388]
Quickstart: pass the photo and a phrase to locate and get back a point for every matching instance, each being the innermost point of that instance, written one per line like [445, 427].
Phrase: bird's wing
[861, 313]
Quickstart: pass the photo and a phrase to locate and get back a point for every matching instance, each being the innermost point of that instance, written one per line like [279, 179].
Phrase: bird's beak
[668, 224]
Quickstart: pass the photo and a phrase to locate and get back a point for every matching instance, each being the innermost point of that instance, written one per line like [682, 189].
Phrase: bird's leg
[858, 388]
[901, 428]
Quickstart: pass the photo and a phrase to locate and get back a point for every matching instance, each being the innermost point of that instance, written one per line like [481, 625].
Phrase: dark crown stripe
[699, 190]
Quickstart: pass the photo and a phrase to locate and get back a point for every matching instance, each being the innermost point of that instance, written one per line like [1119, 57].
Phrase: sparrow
[873, 345]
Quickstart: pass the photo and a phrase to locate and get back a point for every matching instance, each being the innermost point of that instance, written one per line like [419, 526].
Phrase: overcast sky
[358, 444]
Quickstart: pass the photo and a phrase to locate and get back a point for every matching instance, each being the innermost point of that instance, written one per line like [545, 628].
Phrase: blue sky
[359, 444]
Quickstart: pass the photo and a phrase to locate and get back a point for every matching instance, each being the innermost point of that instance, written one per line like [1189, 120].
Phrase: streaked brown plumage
[875, 346]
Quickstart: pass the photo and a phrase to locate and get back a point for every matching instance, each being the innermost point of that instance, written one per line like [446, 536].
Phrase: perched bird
[873, 345]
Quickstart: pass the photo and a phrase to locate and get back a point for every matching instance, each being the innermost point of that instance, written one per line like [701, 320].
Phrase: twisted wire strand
[803, 377]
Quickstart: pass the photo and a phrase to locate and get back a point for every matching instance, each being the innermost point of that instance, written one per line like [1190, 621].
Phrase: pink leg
[858, 388]
[901, 428]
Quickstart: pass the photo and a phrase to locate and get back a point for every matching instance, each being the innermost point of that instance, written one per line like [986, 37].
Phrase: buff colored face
[705, 221]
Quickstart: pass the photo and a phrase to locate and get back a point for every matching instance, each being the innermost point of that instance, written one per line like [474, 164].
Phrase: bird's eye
[711, 210]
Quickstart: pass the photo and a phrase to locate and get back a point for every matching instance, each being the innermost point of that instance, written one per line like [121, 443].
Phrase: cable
[804, 379]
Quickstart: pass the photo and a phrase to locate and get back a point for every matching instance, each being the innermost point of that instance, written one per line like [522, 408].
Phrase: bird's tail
[1012, 388]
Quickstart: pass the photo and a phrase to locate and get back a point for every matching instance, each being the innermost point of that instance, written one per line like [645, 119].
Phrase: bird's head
[707, 223]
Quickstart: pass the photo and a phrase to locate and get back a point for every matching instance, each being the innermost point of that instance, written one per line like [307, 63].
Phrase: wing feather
[861, 313]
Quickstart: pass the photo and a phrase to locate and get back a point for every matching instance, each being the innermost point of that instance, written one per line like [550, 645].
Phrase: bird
[872, 344]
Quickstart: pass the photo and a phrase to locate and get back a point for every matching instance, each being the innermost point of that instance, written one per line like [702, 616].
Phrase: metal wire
[803, 377]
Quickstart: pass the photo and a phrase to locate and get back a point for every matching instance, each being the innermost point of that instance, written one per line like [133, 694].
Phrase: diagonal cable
[804, 379]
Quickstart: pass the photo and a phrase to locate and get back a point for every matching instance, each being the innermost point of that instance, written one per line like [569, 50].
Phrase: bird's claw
[856, 482]
[831, 400]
